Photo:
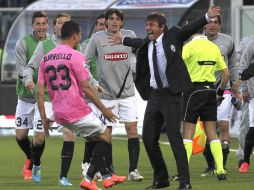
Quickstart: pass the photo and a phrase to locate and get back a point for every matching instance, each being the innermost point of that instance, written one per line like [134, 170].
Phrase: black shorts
[201, 102]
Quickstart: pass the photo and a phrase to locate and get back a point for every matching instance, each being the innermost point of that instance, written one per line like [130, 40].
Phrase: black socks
[66, 156]
[89, 146]
[99, 157]
[25, 146]
[37, 151]
[134, 149]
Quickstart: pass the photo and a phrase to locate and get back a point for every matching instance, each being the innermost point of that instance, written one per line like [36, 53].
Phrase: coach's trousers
[164, 107]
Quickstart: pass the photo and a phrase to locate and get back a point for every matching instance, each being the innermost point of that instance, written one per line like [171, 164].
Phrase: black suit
[164, 106]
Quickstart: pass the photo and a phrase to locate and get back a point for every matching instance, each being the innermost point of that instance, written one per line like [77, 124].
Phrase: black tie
[155, 67]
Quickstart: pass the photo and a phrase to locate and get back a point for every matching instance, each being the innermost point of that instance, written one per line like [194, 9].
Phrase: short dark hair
[70, 28]
[109, 12]
[102, 15]
[39, 14]
[159, 17]
[59, 15]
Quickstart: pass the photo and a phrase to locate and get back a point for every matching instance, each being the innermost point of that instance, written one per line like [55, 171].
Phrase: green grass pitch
[11, 163]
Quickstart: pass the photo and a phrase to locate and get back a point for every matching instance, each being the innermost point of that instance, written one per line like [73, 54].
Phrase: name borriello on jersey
[116, 56]
[57, 56]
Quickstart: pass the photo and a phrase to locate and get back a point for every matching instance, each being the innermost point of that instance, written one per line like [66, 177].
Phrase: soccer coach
[161, 78]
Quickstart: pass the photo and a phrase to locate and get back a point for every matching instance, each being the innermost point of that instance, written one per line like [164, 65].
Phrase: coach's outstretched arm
[118, 38]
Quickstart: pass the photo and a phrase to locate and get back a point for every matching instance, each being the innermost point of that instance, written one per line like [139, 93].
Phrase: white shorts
[251, 112]
[94, 109]
[37, 118]
[24, 115]
[124, 109]
[225, 108]
[88, 126]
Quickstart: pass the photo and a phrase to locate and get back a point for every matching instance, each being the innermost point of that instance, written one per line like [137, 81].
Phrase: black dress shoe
[184, 186]
[159, 184]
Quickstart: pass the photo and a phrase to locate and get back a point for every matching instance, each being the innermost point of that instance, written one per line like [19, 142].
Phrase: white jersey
[113, 64]
[226, 45]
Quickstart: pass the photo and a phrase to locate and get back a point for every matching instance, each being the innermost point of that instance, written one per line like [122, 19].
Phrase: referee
[203, 59]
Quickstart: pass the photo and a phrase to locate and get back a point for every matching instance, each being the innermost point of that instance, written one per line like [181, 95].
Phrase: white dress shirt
[161, 61]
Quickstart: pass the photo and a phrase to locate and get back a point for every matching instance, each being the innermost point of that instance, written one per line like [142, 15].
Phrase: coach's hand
[30, 86]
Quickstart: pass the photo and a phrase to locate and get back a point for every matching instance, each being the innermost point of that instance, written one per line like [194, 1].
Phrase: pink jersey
[61, 70]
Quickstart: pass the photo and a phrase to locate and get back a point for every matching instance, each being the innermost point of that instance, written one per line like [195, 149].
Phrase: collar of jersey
[198, 37]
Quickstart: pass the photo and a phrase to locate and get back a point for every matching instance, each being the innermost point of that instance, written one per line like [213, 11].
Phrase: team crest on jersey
[173, 48]
[221, 47]
[221, 50]
[116, 56]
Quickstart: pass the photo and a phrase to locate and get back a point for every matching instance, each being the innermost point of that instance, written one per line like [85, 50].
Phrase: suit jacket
[176, 71]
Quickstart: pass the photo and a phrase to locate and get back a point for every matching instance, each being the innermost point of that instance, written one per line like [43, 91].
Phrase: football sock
[89, 146]
[188, 144]
[208, 156]
[90, 173]
[225, 151]
[25, 146]
[216, 150]
[98, 162]
[134, 149]
[66, 156]
[247, 151]
[109, 160]
[249, 143]
[37, 151]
